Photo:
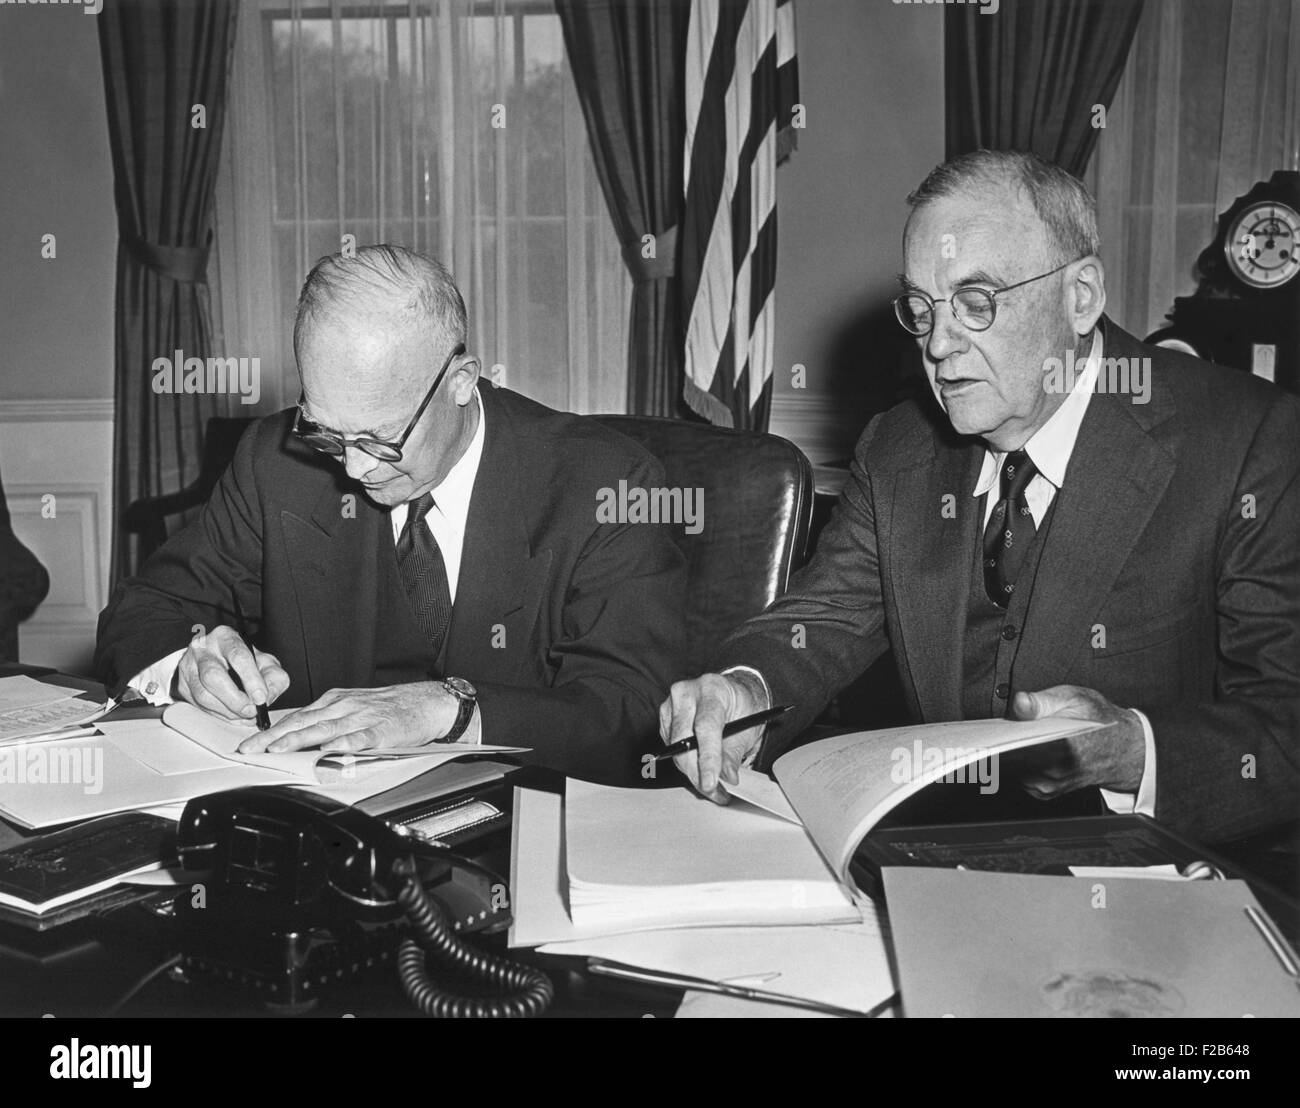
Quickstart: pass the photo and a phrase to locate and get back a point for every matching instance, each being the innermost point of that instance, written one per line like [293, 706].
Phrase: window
[447, 127]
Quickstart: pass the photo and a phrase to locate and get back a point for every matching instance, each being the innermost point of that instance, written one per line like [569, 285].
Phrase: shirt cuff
[154, 682]
[1144, 801]
[748, 760]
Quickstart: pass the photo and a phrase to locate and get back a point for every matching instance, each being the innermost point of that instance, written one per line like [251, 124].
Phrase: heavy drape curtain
[1028, 76]
[447, 126]
[165, 71]
[1209, 104]
[627, 63]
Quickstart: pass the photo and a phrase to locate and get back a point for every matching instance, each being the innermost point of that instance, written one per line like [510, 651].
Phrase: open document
[152, 764]
[840, 788]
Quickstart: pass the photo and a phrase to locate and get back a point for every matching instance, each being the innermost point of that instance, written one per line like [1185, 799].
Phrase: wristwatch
[463, 691]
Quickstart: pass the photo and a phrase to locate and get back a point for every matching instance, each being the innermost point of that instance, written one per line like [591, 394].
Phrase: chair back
[757, 498]
[147, 517]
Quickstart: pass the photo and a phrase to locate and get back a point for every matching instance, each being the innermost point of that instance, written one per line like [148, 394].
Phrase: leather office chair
[147, 517]
[758, 499]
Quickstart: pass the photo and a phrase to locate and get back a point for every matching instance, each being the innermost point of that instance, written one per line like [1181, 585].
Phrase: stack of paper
[644, 858]
[840, 965]
[843, 964]
[31, 709]
[49, 871]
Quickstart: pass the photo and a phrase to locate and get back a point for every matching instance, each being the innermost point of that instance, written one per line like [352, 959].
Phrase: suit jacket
[24, 583]
[1177, 531]
[570, 629]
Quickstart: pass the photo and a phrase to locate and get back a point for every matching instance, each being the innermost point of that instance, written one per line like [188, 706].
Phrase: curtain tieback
[658, 268]
[187, 264]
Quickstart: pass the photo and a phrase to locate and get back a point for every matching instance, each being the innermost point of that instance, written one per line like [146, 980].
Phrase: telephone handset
[332, 885]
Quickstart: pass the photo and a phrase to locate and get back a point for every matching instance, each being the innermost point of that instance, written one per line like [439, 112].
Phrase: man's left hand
[362, 719]
[1111, 758]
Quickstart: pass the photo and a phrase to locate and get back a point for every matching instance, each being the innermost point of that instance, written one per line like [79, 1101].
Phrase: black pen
[263, 716]
[682, 746]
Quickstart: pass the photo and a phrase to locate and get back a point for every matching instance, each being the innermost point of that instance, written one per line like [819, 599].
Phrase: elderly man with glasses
[417, 554]
[1080, 525]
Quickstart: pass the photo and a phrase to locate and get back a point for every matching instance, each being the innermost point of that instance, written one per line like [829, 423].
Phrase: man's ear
[1086, 290]
[464, 379]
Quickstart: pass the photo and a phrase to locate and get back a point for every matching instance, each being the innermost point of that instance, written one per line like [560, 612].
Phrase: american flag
[741, 94]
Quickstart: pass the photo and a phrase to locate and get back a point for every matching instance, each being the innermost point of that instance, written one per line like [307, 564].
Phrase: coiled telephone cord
[522, 990]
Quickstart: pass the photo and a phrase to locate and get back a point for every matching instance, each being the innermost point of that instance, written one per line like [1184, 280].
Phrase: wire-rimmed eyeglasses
[974, 308]
[333, 443]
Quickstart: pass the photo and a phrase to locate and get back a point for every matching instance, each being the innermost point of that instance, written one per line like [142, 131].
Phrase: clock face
[1263, 245]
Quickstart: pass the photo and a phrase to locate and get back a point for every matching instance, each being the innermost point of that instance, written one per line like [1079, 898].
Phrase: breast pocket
[1129, 634]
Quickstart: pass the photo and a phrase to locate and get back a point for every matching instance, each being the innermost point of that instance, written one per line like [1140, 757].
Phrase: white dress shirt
[447, 520]
[450, 512]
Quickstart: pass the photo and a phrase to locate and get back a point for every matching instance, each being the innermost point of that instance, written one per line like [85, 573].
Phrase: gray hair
[411, 285]
[1061, 200]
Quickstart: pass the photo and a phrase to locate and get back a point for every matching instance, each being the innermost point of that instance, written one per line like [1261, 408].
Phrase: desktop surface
[138, 959]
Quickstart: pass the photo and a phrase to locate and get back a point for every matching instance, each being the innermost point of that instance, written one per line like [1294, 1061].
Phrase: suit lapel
[333, 559]
[499, 571]
[1116, 477]
[932, 545]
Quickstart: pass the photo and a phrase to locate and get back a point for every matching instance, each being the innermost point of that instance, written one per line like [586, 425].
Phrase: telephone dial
[301, 891]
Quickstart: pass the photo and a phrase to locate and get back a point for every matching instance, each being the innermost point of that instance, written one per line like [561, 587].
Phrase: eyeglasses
[332, 443]
[974, 308]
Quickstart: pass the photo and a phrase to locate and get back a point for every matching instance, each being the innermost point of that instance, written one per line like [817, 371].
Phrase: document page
[662, 857]
[843, 786]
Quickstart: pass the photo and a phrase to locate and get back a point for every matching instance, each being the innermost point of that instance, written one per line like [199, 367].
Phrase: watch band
[467, 696]
[463, 717]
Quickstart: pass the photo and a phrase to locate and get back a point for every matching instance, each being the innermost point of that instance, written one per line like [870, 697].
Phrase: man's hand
[203, 675]
[700, 708]
[363, 719]
[1112, 758]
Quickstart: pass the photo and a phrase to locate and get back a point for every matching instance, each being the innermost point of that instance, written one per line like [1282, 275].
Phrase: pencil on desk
[701, 984]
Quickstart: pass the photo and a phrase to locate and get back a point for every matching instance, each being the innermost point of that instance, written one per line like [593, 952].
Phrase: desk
[117, 963]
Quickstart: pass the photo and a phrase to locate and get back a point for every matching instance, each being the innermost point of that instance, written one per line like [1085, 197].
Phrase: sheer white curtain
[1209, 104]
[447, 126]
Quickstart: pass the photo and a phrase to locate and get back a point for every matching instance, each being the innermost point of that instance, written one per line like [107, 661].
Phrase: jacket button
[1003, 690]
[1008, 632]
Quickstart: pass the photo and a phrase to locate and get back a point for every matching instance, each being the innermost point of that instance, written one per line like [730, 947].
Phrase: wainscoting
[56, 462]
[823, 426]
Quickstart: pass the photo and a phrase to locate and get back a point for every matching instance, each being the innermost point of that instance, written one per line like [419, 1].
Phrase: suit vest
[992, 636]
[990, 644]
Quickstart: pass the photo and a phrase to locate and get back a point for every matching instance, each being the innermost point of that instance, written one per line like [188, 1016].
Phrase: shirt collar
[1050, 447]
[452, 496]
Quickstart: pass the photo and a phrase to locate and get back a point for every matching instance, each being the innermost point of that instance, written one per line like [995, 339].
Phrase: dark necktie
[424, 574]
[1010, 529]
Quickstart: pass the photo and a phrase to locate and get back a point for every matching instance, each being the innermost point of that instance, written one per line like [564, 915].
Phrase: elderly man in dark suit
[1080, 526]
[418, 554]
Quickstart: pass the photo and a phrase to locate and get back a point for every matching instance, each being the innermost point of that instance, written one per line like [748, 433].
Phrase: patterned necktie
[424, 574]
[1010, 530]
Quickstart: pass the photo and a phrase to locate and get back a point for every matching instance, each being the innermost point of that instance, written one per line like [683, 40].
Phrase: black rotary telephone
[301, 891]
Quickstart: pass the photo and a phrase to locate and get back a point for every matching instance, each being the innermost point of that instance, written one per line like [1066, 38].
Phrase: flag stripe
[705, 164]
[741, 84]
